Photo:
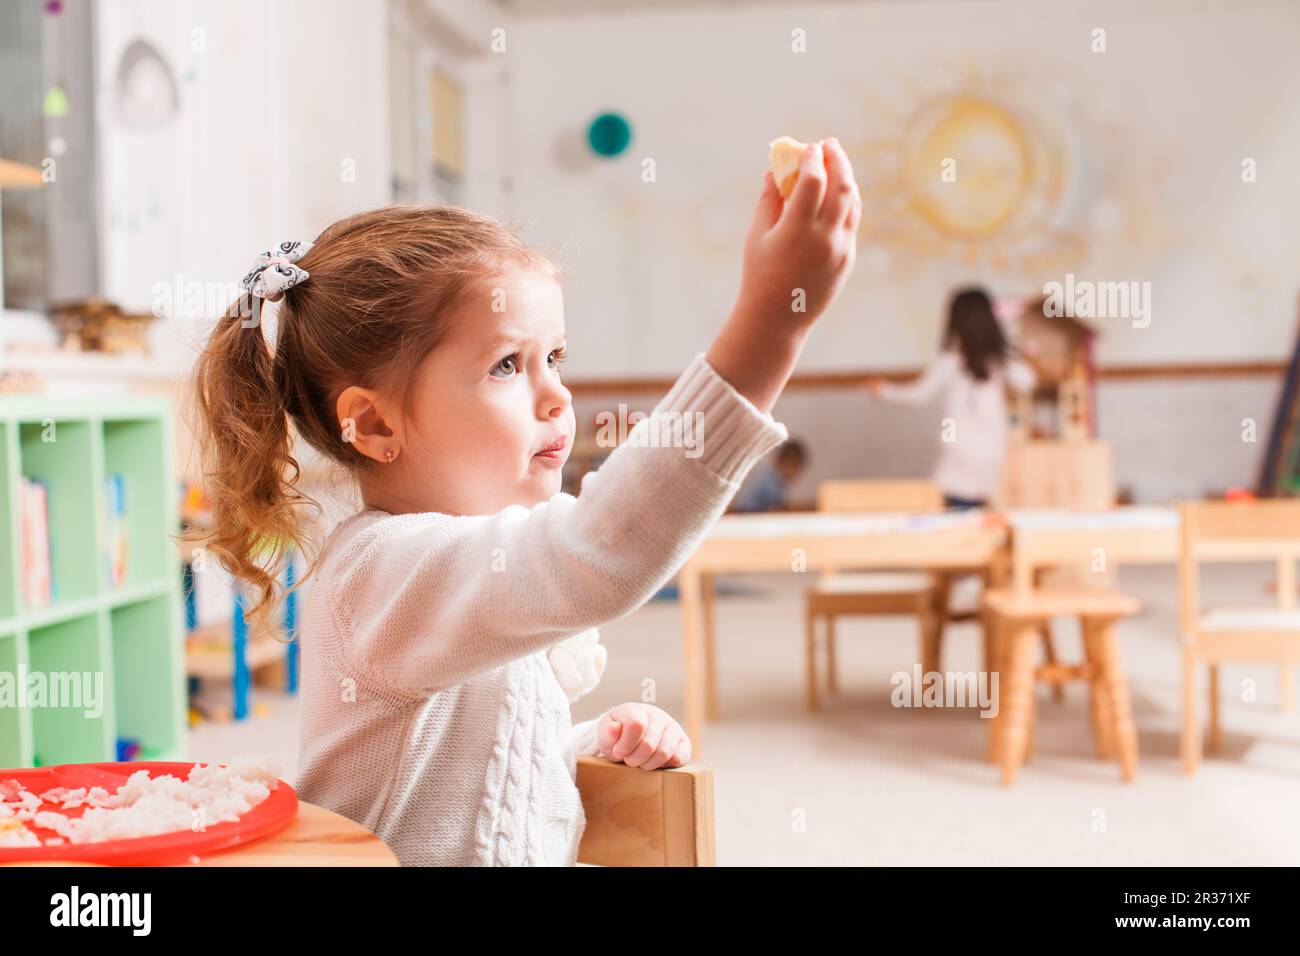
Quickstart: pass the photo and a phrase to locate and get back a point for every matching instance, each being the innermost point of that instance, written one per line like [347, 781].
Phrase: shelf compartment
[72, 655]
[10, 527]
[15, 720]
[61, 454]
[148, 687]
[136, 449]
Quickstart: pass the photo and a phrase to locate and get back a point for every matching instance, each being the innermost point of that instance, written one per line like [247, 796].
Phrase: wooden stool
[1016, 622]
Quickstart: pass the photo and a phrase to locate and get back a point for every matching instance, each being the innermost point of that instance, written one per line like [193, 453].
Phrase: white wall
[1156, 128]
[275, 99]
[285, 92]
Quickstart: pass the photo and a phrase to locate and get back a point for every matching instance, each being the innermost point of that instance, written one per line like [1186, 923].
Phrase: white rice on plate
[142, 806]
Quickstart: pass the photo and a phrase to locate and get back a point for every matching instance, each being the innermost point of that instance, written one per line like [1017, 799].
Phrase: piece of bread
[784, 156]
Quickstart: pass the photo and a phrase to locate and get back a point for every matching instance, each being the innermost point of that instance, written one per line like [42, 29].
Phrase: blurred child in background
[768, 490]
[972, 372]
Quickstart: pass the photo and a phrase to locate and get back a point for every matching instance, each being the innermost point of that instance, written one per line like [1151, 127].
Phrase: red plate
[271, 815]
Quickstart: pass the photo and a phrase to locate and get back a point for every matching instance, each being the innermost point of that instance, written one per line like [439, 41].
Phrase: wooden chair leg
[810, 659]
[1049, 652]
[1098, 695]
[1019, 698]
[936, 622]
[987, 622]
[832, 666]
[1190, 746]
[1123, 729]
[1031, 726]
[928, 625]
[710, 650]
[994, 629]
[1214, 739]
[939, 603]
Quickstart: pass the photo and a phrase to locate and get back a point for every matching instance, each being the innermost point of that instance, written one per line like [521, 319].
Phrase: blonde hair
[380, 288]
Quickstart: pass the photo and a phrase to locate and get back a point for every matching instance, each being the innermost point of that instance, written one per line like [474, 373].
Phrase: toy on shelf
[1060, 349]
[1054, 459]
[93, 325]
[127, 749]
[62, 606]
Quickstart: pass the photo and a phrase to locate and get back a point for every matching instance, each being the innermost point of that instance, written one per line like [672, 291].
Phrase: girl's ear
[363, 424]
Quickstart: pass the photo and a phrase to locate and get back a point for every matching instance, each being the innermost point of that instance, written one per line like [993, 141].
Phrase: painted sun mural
[1011, 173]
[974, 171]
[978, 173]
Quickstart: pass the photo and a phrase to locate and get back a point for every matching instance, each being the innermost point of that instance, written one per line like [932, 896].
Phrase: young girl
[420, 347]
[972, 372]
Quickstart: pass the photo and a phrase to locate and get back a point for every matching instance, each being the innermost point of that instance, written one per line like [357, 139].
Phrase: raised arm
[798, 255]
[436, 599]
[427, 601]
[924, 388]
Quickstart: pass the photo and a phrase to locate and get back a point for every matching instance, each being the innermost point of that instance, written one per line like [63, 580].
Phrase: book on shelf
[115, 528]
[37, 574]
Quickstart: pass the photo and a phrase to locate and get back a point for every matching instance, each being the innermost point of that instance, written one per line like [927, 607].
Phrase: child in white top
[452, 620]
[972, 373]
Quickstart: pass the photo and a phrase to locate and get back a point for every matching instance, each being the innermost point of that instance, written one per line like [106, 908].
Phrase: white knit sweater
[431, 713]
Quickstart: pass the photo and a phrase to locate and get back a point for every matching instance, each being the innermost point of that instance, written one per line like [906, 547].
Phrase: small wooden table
[318, 837]
[813, 541]
[1134, 534]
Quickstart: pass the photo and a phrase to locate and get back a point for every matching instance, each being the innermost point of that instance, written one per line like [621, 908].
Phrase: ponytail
[248, 466]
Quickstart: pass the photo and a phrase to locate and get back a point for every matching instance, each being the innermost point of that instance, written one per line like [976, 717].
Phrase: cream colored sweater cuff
[715, 423]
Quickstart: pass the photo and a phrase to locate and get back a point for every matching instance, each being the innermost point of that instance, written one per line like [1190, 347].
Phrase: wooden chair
[641, 817]
[1075, 473]
[1017, 617]
[838, 593]
[1220, 531]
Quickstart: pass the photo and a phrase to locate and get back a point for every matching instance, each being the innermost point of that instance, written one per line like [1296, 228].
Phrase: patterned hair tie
[273, 272]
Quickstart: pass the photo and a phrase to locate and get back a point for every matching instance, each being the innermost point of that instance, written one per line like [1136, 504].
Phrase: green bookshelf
[115, 650]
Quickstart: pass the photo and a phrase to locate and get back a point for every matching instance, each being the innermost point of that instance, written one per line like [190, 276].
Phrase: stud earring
[390, 456]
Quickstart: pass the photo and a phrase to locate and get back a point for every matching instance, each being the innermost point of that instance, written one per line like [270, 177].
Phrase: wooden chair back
[641, 817]
[856, 495]
[1075, 474]
[1218, 531]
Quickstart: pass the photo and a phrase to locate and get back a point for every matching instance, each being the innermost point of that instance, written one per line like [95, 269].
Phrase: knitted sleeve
[427, 601]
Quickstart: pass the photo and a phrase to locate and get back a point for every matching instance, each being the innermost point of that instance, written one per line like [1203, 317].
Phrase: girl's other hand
[642, 735]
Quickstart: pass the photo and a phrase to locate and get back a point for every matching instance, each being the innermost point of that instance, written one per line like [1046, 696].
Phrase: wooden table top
[318, 837]
[762, 542]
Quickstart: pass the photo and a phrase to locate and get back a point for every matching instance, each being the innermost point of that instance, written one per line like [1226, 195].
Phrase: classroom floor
[864, 783]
